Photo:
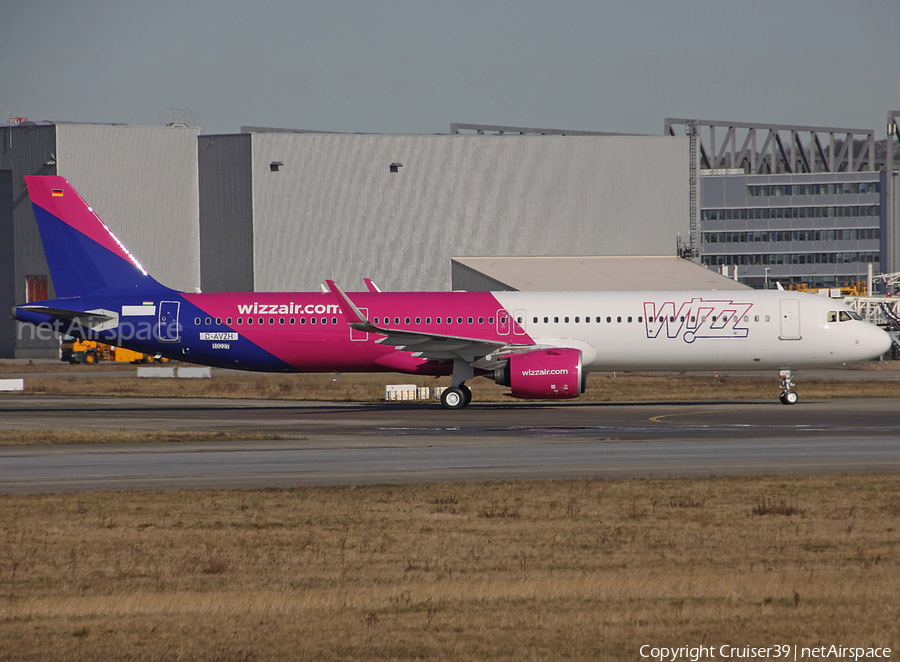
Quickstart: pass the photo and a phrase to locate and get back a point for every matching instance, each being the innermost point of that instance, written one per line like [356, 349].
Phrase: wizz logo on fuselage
[697, 318]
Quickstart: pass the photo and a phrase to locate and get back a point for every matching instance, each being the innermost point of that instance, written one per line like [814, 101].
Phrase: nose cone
[881, 341]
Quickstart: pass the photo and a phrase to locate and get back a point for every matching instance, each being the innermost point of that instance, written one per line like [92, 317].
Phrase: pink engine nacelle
[543, 374]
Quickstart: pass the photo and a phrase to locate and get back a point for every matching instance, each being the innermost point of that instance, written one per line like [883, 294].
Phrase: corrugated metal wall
[7, 264]
[335, 210]
[24, 151]
[226, 212]
[143, 182]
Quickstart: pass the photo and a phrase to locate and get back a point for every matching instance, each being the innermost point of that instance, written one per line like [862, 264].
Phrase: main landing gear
[459, 395]
[788, 394]
[456, 397]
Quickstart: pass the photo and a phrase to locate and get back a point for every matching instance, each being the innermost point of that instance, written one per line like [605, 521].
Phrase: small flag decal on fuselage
[57, 193]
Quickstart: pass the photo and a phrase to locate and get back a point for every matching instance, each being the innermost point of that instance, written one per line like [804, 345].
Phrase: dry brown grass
[34, 436]
[370, 387]
[578, 570]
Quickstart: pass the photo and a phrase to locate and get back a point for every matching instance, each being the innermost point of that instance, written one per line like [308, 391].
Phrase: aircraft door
[519, 316]
[169, 329]
[360, 336]
[503, 323]
[790, 319]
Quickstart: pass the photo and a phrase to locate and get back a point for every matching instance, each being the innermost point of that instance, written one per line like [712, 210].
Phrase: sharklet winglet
[355, 318]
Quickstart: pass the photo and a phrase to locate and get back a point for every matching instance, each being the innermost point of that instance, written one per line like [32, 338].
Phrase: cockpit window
[832, 316]
[855, 316]
[845, 316]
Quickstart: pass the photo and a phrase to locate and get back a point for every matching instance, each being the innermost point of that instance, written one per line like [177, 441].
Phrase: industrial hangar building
[275, 210]
[797, 205]
[141, 180]
[282, 211]
[271, 209]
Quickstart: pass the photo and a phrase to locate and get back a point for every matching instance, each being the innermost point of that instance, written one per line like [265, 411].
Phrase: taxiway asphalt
[326, 443]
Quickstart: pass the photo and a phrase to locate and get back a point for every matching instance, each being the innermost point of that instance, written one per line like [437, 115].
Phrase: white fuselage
[696, 330]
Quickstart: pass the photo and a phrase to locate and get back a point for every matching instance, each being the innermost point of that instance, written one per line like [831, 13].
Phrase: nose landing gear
[788, 394]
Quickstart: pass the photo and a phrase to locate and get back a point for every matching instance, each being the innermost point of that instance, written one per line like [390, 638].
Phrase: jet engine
[543, 374]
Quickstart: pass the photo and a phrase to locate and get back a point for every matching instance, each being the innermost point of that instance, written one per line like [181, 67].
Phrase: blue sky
[416, 66]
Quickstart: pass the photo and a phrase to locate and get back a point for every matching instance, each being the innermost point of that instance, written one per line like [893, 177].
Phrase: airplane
[541, 345]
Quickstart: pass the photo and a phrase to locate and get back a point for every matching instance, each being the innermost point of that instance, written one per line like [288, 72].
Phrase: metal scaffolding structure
[776, 148]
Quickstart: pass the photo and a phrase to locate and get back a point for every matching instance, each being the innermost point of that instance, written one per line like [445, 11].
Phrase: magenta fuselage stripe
[332, 346]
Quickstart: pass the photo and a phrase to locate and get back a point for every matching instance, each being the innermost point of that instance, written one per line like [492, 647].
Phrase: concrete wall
[335, 210]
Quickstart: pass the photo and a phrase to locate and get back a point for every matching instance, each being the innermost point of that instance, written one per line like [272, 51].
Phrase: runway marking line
[655, 419]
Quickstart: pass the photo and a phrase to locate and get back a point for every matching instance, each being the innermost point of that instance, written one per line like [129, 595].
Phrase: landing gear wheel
[467, 394]
[453, 398]
[789, 398]
[90, 358]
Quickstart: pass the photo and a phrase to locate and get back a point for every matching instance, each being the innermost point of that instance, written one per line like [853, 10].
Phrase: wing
[438, 347]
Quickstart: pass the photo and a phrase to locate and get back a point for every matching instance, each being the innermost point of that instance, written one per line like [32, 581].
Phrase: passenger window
[546, 319]
[427, 320]
[312, 320]
[608, 320]
[334, 320]
[767, 318]
[491, 320]
[271, 320]
[556, 320]
[481, 320]
[197, 321]
[261, 320]
[437, 320]
[598, 320]
[302, 321]
[240, 320]
[418, 320]
[534, 320]
[469, 320]
[324, 320]
[619, 320]
[459, 320]
[567, 320]
[629, 320]
[375, 321]
[228, 321]
[577, 319]
[208, 321]
[756, 318]
[519, 320]
[640, 319]
[396, 321]
[693, 319]
[293, 321]
[281, 320]
[406, 320]
[218, 320]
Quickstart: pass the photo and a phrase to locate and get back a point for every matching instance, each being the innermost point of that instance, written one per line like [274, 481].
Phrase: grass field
[576, 570]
